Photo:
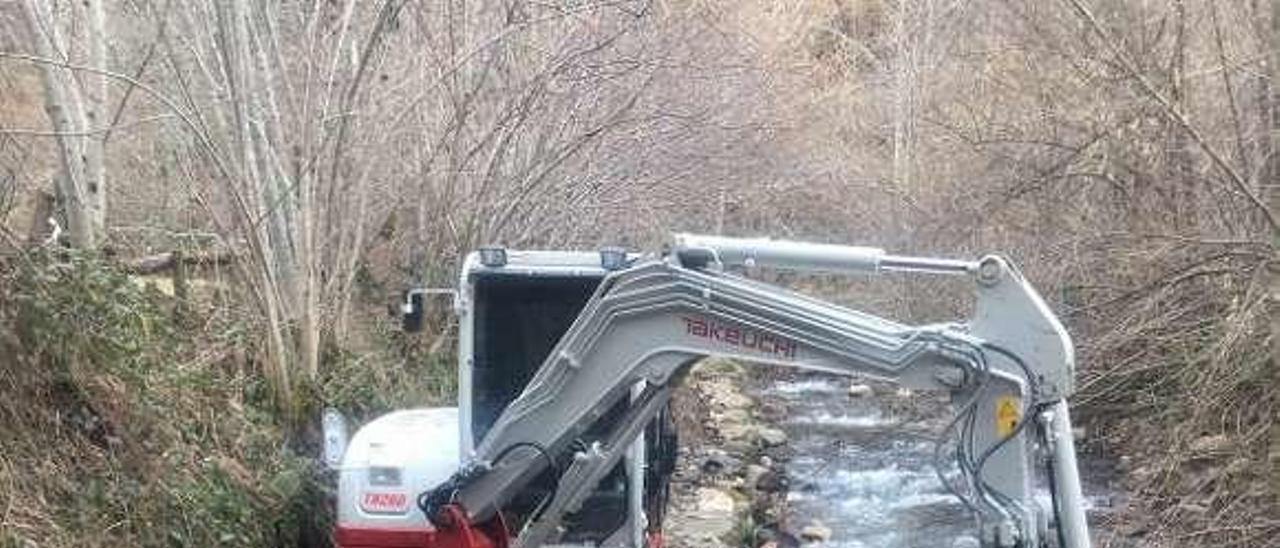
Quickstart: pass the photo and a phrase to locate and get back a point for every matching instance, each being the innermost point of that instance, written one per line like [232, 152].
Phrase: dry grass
[1015, 128]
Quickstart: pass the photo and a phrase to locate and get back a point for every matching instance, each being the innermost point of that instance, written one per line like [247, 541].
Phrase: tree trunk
[903, 101]
[1270, 19]
[80, 182]
[95, 109]
[1181, 195]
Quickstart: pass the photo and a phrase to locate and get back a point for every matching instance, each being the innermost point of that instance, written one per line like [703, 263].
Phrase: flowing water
[863, 468]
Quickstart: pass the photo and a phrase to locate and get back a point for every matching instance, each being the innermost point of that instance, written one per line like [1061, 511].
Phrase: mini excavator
[568, 360]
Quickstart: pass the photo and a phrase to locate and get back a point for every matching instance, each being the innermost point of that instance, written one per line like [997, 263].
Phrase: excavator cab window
[518, 319]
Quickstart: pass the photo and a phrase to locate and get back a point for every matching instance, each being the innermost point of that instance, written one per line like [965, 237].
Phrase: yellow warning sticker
[1008, 413]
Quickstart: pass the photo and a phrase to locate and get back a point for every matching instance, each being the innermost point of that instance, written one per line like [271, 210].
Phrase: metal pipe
[925, 264]
[806, 256]
[1066, 476]
[637, 461]
[765, 252]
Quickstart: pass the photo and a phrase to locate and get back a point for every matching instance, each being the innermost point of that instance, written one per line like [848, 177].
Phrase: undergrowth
[123, 425]
[121, 428]
[1176, 382]
[394, 372]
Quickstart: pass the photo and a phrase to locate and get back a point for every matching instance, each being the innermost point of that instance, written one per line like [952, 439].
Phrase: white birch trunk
[96, 110]
[65, 109]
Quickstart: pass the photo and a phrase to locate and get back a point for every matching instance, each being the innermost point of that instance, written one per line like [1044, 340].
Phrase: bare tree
[316, 133]
[75, 104]
[1268, 106]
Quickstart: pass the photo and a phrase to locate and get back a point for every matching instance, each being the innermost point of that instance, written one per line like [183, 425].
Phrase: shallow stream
[863, 468]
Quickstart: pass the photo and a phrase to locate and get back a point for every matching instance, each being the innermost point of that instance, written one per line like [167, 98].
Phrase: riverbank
[730, 484]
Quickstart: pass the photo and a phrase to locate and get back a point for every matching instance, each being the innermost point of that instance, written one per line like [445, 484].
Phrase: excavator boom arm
[649, 322]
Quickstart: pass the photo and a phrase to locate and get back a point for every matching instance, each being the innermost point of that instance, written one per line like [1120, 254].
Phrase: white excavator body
[510, 312]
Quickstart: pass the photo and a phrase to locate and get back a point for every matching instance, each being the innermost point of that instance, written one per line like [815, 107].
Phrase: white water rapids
[866, 472]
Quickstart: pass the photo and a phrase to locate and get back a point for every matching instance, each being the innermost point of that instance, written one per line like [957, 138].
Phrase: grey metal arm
[648, 323]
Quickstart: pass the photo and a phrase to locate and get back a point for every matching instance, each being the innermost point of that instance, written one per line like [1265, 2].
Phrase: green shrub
[397, 372]
[128, 431]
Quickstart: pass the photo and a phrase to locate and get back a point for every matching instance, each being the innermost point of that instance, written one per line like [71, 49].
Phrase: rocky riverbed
[730, 485]
[784, 458]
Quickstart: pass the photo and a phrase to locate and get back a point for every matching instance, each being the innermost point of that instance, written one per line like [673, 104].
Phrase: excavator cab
[512, 308]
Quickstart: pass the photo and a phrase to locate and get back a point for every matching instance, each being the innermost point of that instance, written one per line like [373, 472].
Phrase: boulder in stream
[815, 532]
[858, 390]
[771, 437]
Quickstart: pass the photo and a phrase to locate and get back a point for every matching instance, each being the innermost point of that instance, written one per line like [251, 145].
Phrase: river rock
[771, 537]
[771, 437]
[771, 411]
[771, 481]
[704, 521]
[857, 390]
[738, 434]
[815, 532]
[753, 474]
[714, 501]
[718, 462]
